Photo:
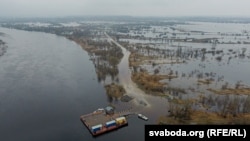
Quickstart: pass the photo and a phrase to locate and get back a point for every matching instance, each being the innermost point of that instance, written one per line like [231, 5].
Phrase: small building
[109, 110]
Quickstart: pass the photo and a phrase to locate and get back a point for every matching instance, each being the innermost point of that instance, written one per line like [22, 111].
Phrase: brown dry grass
[205, 81]
[149, 83]
[136, 59]
[200, 117]
[239, 91]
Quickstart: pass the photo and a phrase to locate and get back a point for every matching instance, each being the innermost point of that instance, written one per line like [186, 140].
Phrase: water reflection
[47, 82]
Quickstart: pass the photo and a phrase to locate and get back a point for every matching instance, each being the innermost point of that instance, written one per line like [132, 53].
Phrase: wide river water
[46, 83]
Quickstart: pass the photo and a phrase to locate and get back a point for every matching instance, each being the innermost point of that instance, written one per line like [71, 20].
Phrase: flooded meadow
[205, 63]
[172, 71]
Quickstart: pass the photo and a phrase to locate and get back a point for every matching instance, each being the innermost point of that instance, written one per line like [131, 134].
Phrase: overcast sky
[52, 8]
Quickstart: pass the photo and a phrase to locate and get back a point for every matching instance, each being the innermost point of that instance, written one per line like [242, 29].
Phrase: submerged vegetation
[230, 110]
[105, 56]
[199, 71]
[114, 90]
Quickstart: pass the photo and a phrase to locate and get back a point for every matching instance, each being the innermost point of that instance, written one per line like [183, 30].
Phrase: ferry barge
[104, 120]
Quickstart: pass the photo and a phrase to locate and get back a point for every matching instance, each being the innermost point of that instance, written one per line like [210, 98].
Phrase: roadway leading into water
[125, 76]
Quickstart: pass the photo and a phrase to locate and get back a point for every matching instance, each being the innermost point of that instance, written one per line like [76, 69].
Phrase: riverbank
[106, 57]
[47, 82]
[169, 70]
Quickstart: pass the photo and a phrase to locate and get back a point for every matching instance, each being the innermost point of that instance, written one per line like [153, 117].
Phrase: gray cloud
[50, 8]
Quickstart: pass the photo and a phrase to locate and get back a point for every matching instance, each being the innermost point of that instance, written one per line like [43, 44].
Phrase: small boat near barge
[141, 116]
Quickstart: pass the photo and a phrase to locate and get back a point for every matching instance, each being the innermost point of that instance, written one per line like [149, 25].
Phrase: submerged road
[125, 76]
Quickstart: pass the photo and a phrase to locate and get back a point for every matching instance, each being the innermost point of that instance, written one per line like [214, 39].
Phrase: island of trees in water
[169, 60]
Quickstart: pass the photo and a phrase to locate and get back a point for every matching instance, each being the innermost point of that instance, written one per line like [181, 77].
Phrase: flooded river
[46, 83]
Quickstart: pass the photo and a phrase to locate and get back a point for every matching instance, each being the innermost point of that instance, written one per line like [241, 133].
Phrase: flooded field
[216, 58]
[172, 71]
[207, 62]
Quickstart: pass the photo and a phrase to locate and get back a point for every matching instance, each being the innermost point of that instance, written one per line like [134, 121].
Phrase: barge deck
[99, 122]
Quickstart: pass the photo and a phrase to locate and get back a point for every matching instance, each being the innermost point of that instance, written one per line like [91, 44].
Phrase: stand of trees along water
[198, 73]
